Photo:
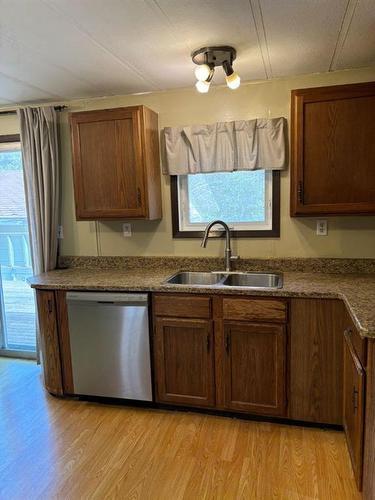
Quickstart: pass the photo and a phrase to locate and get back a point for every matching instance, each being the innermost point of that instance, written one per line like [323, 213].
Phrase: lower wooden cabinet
[184, 361]
[239, 366]
[49, 341]
[254, 367]
[353, 408]
[316, 354]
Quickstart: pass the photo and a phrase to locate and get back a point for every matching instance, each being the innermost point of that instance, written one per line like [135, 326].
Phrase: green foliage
[230, 196]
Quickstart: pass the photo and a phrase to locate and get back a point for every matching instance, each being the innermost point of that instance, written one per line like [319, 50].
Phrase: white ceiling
[63, 49]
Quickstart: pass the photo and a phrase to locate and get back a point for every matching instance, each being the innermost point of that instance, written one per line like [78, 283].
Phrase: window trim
[10, 138]
[274, 232]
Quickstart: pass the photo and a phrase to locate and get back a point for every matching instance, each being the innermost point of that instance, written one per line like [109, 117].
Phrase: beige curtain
[226, 147]
[40, 155]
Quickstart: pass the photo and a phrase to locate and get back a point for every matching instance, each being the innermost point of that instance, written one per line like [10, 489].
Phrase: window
[248, 201]
[17, 306]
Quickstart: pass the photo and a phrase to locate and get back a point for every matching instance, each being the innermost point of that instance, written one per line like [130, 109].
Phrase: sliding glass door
[17, 304]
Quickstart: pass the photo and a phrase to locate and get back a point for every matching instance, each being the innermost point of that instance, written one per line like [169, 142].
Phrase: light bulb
[202, 72]
[233, 81]
[202, 87]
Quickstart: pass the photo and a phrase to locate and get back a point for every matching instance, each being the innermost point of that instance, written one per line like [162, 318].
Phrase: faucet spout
[228, 249]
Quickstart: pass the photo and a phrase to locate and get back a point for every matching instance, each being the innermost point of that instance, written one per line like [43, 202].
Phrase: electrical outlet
[60, 233]
[126, 230]
[321, 227]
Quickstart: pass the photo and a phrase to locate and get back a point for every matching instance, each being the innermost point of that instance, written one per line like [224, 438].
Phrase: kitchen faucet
[228, 250]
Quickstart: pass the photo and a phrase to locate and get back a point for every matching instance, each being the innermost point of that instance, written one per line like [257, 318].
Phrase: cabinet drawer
[358, 343]
[255, 309]
[182, 306]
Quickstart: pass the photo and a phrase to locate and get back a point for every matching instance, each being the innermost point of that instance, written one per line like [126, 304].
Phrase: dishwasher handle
[104, 298]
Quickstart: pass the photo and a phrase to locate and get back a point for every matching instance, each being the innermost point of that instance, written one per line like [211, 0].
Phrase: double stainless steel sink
[232, 279]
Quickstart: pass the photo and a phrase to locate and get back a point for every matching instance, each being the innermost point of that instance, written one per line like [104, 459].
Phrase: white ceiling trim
[256, 11]
[125, 64]
[343, 33]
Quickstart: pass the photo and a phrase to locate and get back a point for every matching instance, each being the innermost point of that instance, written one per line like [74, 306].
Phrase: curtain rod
[14, 112]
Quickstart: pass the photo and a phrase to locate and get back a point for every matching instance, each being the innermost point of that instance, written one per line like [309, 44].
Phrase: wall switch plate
[60, 233]
[321, 227]
[126, 230]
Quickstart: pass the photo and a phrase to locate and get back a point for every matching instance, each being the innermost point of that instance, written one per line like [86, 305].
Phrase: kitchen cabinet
[316, 353]
[333, 150]
[242, 359]
[255, 367]
[49, 341]
[184, 361]
[116, 165]
[353, 407]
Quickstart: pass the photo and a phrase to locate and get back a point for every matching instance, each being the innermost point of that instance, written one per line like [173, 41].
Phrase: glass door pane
[17, 303]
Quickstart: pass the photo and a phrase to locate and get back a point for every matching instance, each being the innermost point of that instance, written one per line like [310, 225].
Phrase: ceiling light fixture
[207, 58]
[232, 78]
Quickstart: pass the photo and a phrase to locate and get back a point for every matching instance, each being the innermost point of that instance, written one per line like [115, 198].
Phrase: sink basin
[247, 280]
[254, 280]
[195, 278]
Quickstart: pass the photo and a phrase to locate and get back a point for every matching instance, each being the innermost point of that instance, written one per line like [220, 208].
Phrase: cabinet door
[254, 367]
[107, 164]
[184, 361]
[316, 344]
[49, 341]
[353, 407]
[332, 150]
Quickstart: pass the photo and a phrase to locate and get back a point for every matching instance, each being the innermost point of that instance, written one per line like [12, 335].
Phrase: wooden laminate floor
[63, 449]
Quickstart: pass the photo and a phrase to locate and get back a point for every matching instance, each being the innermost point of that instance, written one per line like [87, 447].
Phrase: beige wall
[347, 236]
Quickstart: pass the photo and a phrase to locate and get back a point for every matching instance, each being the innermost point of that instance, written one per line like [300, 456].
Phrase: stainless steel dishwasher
[110, 345]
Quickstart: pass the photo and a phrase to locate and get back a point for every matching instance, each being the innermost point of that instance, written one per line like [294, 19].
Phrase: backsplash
[340, 266]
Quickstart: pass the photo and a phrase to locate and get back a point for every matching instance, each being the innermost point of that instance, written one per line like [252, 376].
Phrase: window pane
[17, 307]
[232, 196]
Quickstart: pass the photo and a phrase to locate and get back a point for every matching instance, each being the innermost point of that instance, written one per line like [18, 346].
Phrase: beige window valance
[226, 146]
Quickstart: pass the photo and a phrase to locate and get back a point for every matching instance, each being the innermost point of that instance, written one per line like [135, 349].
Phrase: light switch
[60, 233]
[321, 227]
[127, 230]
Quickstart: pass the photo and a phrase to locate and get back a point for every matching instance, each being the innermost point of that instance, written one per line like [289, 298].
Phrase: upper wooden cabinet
[116, 164]
[333, 150]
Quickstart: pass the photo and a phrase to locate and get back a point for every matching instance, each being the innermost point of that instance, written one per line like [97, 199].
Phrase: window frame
[274, 232]
[13, 353]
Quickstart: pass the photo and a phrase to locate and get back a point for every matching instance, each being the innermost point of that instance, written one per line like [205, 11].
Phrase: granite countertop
[356, 290]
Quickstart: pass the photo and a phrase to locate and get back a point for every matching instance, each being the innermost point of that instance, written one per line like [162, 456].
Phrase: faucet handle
[234, 257]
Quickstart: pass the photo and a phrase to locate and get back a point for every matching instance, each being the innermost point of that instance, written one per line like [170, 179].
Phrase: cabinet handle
[139, 197]
[49, 305]
[227, 343]
[208, 343]
[355, 399]
[300, 192]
